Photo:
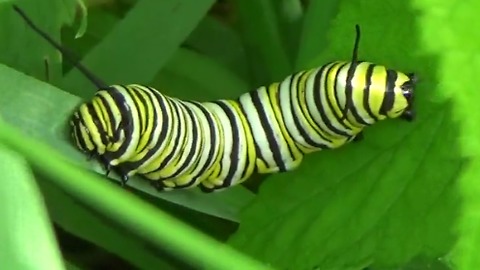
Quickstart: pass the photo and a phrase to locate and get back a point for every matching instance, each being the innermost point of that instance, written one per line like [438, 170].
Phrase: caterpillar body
[135, 129]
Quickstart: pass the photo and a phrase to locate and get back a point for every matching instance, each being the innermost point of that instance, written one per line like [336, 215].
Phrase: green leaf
[138, 47]
[316, 25]
[26, 233]
[459, 66]
[100, 21]
[155, 227]
[46, 120]
[389, 198]
[190, 75]
[72, 215]
[216, 40]
[83, 22]
[290, 15]
[72, 266]
[263, 41]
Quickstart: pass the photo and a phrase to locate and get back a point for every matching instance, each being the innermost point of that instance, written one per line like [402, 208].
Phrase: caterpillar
[135, 129]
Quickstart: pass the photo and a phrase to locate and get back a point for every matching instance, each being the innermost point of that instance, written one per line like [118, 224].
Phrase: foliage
[400, 199]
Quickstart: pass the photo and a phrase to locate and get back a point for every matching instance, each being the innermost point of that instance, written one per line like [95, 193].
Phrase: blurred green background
[406, 197]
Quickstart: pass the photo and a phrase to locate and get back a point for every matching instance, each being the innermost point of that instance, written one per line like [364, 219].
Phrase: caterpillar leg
[47, 69]
[211, 186]
[206, 189]
[117, 169]
[172, 184]
[102, 160]
[359, 137]
[123, 175]
[162, 185]
[105, 163]
[158, 185]
[90, 155]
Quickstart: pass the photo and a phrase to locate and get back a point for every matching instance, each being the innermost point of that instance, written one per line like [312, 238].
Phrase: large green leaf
[392, 197]
[458, 44]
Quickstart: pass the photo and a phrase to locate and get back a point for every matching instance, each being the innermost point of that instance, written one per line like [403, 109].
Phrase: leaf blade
[362, 205]
[258, 23]
[156, 45]
[25, 231]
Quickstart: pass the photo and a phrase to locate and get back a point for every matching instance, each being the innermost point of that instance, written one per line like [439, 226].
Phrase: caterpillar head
[78, 131]
[397, 93]
[407, 90]
[86, 130]
[399, 97]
